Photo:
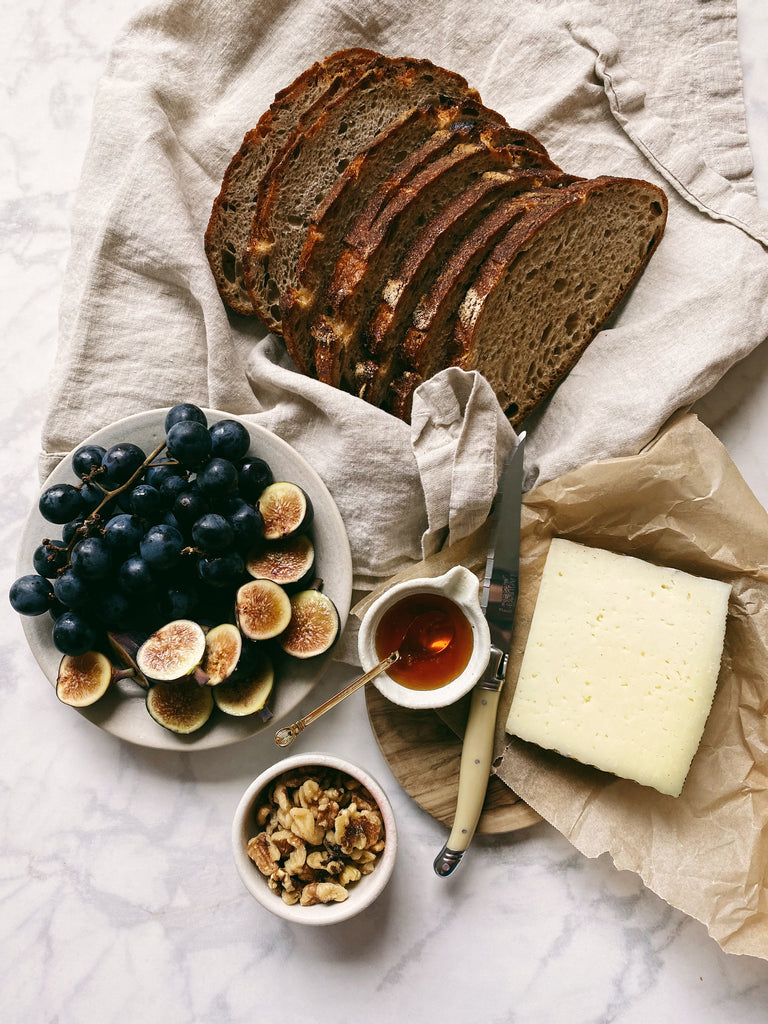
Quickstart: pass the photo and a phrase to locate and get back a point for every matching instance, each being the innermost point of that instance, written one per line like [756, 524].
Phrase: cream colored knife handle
[474, 773]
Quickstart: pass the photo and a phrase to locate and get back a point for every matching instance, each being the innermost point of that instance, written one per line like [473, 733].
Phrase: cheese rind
[621, 664]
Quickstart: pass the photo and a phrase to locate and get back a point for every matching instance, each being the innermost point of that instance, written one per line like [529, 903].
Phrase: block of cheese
[621, 664]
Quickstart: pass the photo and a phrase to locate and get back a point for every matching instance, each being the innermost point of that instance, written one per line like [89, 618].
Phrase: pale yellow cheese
[621, 664]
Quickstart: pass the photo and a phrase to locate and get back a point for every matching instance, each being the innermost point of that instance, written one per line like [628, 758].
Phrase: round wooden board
[423, 754]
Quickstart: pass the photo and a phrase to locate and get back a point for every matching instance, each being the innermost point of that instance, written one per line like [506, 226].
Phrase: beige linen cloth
[648, 89]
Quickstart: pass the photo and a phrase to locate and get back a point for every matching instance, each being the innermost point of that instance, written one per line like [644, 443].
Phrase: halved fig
[126, 647]
[263, 609]
[183, 707]
[287, 561]
[314, 625]
[247, 694]
[172, 652]
[285, 509]
[85, 678]
[223, 646]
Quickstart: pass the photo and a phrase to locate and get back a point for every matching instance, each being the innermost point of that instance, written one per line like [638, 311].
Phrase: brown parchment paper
[681, 502]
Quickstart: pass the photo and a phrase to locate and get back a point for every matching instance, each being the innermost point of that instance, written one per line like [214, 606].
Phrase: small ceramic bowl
[460, 586]
[361, 893]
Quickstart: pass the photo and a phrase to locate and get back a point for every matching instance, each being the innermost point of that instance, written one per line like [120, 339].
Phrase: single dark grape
[114, 609]
[183, 412]
[70, 529]
[213, 534]
[248, 525]
[135, 577]
[190, 443]
[49, 557]
[147, 502]
[156, 474]
[72, 590]
[217, 479]
[171, 487]
[189, 507]
[91, 495]
[179, 602]
[123, 532]
[60, 503]
[31, 595]
[121, 461]
[74, 634]
[221, 570]
[254, 475]
[161, 546]
[91, 559]
[87, 458]
[230, 439]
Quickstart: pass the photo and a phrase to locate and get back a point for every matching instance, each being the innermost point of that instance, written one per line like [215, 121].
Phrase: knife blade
[501, 584]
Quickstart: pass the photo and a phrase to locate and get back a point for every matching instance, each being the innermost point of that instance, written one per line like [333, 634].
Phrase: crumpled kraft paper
[681, 502]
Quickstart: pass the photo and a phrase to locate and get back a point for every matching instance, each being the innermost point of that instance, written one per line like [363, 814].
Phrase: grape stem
[108, 495]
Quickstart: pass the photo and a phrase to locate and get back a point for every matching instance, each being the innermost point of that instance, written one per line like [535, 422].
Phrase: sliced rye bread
[581, 256]
[427, 258]
[373, 249]
[426, 346]
[408, 143]
[313, 157]
[229, 225]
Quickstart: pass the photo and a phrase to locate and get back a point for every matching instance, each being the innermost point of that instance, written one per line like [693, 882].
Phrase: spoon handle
[286, 736]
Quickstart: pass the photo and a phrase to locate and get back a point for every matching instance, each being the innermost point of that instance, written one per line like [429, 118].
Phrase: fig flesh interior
[223, 646]
[246, 695]
[172, 652]
[314, 625]
[83, 679]
[286, 561]
[263, 609]
[182, 707]
[285, 509]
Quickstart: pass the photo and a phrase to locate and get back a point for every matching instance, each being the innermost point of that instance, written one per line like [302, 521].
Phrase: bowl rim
[443, 695]
[256, 884]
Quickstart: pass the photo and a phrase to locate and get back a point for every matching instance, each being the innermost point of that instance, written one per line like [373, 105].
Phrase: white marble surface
[119, 900]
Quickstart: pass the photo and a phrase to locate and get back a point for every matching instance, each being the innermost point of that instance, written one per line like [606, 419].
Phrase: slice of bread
[229, 225]
[374, 248]
[425, 261]
[550, 284]
[313, 157]
[409, 143]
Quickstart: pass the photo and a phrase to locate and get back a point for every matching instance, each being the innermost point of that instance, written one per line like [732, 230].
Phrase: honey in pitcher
[435, 665]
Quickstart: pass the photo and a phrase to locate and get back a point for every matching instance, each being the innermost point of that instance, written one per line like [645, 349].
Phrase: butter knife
[498, 600]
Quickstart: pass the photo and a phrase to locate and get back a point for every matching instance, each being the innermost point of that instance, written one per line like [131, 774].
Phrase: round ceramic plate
[122, 711]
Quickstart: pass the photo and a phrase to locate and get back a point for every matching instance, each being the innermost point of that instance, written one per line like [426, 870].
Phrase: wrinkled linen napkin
[646, 90]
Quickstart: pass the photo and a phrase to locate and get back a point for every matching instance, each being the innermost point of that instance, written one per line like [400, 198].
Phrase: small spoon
[430, 632]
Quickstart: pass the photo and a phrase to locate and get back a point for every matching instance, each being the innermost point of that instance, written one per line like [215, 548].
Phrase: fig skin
[285, 509]
[314, 625]
[263, 609]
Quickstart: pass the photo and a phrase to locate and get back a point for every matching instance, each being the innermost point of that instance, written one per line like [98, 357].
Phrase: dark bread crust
[584, 258]
[411, 141]
[375, 245]
[284, 205]
[229, 224]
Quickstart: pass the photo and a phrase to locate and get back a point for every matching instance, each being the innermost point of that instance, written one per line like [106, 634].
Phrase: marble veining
[119, 899]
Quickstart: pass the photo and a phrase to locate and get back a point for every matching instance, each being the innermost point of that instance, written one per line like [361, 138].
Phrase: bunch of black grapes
[146, 539]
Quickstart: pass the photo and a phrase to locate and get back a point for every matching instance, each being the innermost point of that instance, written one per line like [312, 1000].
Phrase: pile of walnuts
[321, 832]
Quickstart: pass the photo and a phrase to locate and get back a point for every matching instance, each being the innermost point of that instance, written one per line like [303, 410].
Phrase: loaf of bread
[388, 225]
